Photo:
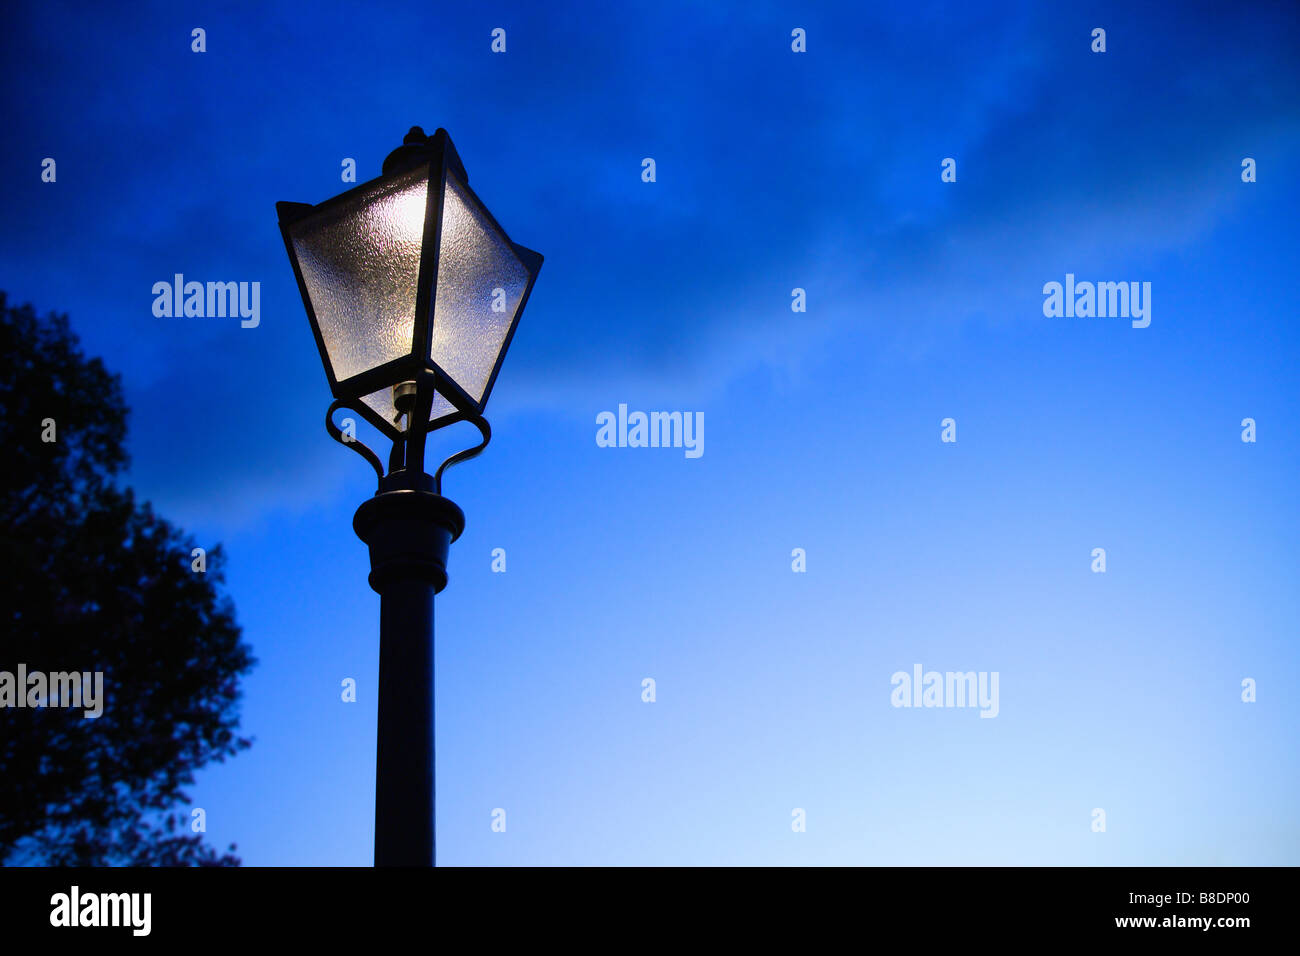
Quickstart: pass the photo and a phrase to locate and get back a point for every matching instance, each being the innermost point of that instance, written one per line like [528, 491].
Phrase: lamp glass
[360, 262]
[481, 283]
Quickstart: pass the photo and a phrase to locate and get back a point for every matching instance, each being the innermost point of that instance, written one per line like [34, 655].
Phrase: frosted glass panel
[360, 262]
[382, 402]
[473, 262]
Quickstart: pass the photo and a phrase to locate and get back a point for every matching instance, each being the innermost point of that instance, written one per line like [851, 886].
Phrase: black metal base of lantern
[409, 531]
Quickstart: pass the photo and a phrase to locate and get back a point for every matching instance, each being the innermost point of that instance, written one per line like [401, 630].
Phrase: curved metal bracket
[354, 443]
[481, 423]
[409, 449]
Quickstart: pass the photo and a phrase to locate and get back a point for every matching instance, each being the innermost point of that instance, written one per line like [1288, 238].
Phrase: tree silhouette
[93, 581]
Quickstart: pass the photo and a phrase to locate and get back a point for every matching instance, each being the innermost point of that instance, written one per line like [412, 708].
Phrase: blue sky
[775, 170]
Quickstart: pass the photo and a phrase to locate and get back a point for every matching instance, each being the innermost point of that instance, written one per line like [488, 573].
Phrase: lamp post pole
[413, 291]
[409, 530]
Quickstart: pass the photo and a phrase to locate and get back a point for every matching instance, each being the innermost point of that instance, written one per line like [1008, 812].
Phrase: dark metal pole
[409, 532]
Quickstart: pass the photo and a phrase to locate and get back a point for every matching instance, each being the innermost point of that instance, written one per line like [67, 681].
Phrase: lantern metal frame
[416, 366]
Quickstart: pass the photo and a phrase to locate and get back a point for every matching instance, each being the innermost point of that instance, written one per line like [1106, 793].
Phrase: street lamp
[413, 291]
